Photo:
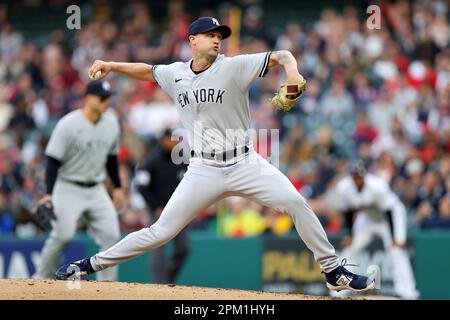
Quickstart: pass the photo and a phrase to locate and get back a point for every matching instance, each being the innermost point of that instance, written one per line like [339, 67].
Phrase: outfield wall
[258, 263]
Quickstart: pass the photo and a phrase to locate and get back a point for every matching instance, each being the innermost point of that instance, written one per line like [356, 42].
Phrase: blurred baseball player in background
[371, 208]
[157, 178]
[211, 92]
[83, 143]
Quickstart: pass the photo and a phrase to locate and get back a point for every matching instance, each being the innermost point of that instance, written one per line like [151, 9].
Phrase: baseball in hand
[96, 76]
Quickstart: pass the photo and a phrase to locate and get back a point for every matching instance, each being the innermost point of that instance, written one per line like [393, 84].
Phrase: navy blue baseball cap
[205, 24]
[99, 88]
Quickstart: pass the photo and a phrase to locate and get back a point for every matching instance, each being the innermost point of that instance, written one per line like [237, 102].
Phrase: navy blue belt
[221, 156]
[83, 184]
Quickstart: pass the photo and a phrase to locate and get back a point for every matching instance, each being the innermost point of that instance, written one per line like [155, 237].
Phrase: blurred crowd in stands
[380, 95]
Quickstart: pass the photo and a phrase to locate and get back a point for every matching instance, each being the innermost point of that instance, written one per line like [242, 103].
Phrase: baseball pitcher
[211, 92]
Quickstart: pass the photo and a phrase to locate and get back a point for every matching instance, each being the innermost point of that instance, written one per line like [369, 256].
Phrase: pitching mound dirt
[25, 289]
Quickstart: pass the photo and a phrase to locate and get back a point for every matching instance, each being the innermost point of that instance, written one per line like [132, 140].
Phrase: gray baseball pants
[206, 182]
[70, 202]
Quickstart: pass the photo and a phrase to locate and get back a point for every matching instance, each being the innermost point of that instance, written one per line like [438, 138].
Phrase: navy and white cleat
[342, 279]
[74, 270]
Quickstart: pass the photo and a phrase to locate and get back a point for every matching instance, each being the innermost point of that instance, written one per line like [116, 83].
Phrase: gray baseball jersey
[83, 147]
[213, 105]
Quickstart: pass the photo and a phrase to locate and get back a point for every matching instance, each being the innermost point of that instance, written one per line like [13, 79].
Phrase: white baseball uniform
[375, 199]
[82, 147]
[211, 104]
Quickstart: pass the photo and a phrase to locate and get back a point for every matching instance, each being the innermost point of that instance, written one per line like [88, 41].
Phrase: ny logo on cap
[214, 20]
[106, 86]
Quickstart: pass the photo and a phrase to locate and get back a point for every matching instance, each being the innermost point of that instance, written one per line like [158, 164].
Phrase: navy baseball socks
[342, 279]
[75, 270]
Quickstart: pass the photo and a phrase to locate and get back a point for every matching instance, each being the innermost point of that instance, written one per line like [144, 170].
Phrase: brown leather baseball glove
[286, 98]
